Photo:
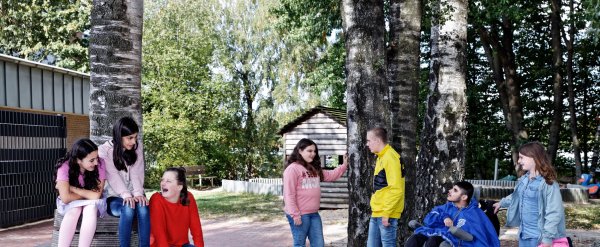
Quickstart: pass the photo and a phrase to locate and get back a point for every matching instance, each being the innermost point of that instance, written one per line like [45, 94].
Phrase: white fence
[252, 187]
[497, 189]
[275, 181]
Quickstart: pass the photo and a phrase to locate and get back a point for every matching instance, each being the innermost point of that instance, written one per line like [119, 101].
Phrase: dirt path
[276, 233]
[241, 232]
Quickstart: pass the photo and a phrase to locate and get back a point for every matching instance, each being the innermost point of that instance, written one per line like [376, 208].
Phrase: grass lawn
[236, 205]
[578, 216]
[585, 216]
[267, 207]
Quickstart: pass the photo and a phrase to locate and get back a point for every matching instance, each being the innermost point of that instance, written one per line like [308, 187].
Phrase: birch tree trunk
[403, 78]
[116, 65]
[368, 104]
[557, 116]
[441, 158]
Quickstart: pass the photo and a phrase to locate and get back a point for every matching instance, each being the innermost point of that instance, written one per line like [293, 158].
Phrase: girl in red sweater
[173, 211]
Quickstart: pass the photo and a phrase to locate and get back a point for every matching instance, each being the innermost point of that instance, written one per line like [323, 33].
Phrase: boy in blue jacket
[461, 211]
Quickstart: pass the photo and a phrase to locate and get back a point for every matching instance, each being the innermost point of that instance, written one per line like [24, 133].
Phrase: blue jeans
[126, 215]
[382, 236]
[528, 242]
[311, 226]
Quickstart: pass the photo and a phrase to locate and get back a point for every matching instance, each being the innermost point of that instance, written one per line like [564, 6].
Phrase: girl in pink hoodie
[302, 192]
[125, 175]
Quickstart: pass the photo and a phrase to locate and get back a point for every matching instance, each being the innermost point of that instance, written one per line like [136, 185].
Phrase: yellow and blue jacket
[388, 185]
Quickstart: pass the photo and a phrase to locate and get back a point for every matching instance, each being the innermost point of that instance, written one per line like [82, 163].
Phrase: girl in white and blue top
[536, 204]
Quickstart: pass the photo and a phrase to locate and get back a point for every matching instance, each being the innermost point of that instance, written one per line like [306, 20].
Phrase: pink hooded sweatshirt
[302, 192]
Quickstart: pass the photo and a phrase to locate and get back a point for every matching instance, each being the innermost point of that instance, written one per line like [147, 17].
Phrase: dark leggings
[419, 240]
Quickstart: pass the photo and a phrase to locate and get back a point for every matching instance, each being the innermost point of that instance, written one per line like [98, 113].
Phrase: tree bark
[116, 65]
[596, 148]
[557, 116]
[368, 104]
[248, 95]
[403, 78]
[441, 158]
[573, 119]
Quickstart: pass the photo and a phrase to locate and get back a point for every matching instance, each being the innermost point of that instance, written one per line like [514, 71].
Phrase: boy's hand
[385, 221]
[448, 222]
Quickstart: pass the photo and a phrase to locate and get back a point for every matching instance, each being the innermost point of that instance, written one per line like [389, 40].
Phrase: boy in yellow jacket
[387, 201]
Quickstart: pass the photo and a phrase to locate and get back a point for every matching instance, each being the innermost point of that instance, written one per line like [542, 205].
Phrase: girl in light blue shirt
[536, 204]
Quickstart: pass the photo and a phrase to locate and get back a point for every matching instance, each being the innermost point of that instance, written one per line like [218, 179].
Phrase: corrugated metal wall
[30, 144]
[28, 85]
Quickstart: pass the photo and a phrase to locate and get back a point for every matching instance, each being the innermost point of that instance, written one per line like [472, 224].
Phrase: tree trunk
[553, 140]
[596, 148]
[403, 78]
[368, 104]
[250, 128]
[442, 153]
[500, 55]
[115, 63]
[573, 121]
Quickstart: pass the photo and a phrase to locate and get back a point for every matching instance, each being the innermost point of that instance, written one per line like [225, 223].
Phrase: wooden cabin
[327, 128]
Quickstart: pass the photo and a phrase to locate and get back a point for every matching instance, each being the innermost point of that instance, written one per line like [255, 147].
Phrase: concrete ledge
[106, 232]
[573, 195]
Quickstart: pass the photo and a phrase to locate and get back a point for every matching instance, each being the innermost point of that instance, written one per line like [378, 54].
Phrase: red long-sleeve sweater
[170, 222]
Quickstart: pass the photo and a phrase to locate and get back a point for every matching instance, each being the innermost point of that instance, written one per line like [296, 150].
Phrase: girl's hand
[496, 207]
[142, 200]
[345, 159]
[129, 201]
[298, 221]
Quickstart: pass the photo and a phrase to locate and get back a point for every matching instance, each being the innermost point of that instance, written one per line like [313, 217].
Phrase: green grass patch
[586, 216]
[577, 216]
[236, 205]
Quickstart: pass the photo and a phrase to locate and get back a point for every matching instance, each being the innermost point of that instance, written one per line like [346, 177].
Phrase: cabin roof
[338, 115]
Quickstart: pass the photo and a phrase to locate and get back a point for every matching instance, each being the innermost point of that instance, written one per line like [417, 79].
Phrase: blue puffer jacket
[470, 219]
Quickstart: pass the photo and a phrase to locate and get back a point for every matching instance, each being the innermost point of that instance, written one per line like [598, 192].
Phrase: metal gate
[30, 145]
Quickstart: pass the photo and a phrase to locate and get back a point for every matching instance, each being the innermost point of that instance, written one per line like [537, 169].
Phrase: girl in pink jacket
[125, 175]
[302, 192]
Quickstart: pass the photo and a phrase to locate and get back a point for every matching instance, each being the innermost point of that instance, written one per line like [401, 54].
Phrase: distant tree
[247, 58]
[46, 31]
[497, 38]
[570, 43]
[557, 75]
[184, 110]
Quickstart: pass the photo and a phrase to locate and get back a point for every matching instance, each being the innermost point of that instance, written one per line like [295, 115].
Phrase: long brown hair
[125, 126]
[543, 165]
[180, 174]
[314, 167]
[79, 150]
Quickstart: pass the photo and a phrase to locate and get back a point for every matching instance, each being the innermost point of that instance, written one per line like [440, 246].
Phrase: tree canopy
[48, 31]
